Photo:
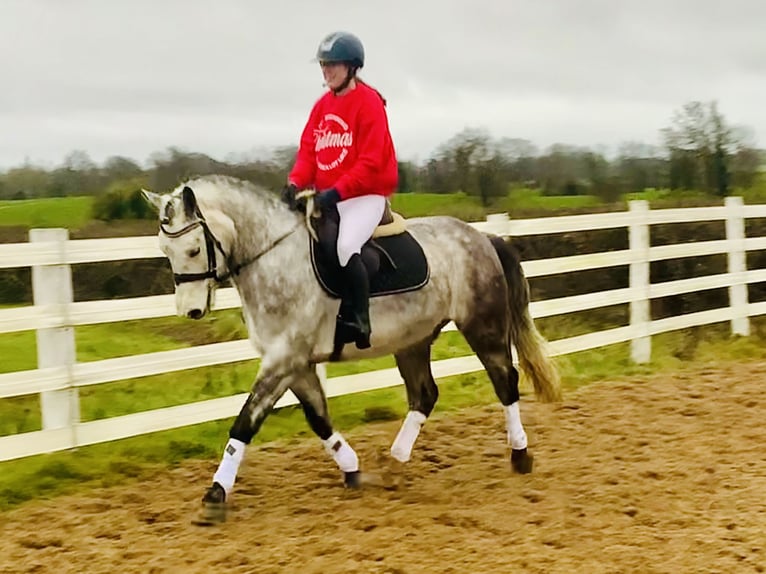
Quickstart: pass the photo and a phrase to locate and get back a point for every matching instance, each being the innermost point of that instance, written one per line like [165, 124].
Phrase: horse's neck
[271, 244]
[275, 282]
[259, 227]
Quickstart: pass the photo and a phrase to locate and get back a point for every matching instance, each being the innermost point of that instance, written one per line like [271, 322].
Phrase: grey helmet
[341, 47]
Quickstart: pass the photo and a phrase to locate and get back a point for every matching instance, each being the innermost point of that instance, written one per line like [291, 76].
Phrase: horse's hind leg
[309, 392]
[414, 365]
[488, 338]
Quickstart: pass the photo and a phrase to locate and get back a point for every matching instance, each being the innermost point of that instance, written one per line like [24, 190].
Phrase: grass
[525, 202]
[459, 205]
[66, 212]
[667, 198]
[521, 199]
[469, 208]
[105, 341]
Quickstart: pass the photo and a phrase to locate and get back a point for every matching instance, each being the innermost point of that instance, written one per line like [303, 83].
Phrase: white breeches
[359, 216]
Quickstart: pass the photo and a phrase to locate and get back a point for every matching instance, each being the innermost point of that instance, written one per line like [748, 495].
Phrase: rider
[347, 154]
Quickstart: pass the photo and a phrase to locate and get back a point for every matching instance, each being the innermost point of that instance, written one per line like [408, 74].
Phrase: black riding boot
[357, 316]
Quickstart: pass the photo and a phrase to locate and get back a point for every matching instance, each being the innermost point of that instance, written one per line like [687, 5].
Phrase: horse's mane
[205, 184]
[210, 190]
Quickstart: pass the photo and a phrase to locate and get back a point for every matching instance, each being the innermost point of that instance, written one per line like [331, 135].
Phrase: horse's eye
[194, 252]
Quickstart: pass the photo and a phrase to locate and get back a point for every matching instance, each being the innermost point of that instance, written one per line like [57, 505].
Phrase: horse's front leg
[273, 380]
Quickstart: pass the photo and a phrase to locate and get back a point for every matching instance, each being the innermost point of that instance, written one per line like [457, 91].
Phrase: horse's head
[196, 247]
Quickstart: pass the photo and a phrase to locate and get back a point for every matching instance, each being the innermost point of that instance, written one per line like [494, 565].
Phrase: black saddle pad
[403, 266]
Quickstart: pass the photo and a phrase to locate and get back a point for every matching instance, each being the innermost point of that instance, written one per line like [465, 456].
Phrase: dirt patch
[666, 474]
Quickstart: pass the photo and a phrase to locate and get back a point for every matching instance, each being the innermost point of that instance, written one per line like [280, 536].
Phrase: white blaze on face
[187, 254]
[192, 297]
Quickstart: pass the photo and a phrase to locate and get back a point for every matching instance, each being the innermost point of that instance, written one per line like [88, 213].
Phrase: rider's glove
[327, 199]
[289, 197]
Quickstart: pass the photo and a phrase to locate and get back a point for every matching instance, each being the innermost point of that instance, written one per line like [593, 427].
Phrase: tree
[123, 200]
[599, 176]
[77, 175]
[471, 162]
[701, 146]
[26, 181]
[745, 164]
[120, 168]
[520, 159]
[640, 166]
[463, 152]
[438, 176]
[562, 170]
[489, 179]
[407, 172]
[175, 165]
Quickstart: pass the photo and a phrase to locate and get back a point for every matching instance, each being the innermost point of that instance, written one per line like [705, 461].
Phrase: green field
[66, 212]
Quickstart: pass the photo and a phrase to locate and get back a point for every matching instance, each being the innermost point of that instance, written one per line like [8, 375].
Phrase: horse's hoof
[352, 479]
[521, 461]
[214, 495]
[395, 477]
[211, 514]
[213, 507]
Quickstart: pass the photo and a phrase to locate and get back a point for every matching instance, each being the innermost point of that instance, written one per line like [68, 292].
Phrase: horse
[216, 229]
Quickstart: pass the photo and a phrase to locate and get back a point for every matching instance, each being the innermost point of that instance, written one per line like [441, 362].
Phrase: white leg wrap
[227, 469]
[516, 435]
[342, 453]
[405, 440]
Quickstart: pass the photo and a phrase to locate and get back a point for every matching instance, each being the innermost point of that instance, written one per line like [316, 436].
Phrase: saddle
[395, 261]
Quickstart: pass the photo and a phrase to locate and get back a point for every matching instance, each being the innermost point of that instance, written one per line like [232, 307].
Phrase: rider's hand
[288, 196]
[327, 199]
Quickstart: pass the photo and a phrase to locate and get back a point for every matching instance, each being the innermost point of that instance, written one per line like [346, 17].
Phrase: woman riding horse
[346, 152]
[214, 229]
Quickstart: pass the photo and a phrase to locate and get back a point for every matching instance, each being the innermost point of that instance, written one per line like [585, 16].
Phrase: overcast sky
[231, 76]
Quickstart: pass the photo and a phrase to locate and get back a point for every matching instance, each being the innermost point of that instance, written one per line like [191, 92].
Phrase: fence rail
[54, 314]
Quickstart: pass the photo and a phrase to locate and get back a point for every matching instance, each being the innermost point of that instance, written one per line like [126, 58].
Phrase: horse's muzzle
[195, 314]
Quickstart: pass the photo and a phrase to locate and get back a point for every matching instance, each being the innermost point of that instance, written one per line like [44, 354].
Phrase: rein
[211, 243]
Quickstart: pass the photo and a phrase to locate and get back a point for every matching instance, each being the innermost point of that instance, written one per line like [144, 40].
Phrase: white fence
[54, 315]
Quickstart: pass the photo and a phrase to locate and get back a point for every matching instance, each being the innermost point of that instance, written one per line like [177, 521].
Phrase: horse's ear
[154, 199]
[190, 202]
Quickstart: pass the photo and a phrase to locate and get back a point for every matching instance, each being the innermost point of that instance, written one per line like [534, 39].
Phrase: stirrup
[348, 332]
[362, 340]
[354, 332]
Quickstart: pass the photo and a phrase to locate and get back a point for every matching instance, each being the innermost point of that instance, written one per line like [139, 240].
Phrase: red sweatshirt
[346, 144]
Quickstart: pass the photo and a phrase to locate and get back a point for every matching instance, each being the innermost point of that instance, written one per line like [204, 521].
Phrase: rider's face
[334, 74]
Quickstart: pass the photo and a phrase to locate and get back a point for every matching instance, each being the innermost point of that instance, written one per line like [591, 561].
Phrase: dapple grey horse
[217, 228]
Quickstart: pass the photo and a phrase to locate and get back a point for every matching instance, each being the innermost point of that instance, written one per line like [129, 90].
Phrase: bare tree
[701, 146]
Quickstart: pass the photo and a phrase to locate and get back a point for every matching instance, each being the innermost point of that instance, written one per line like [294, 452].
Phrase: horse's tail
[533, 356]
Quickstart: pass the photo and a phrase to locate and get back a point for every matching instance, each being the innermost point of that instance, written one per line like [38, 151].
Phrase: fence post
[640, 280]
[737, 259]
[52, 285]
[498, 223]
